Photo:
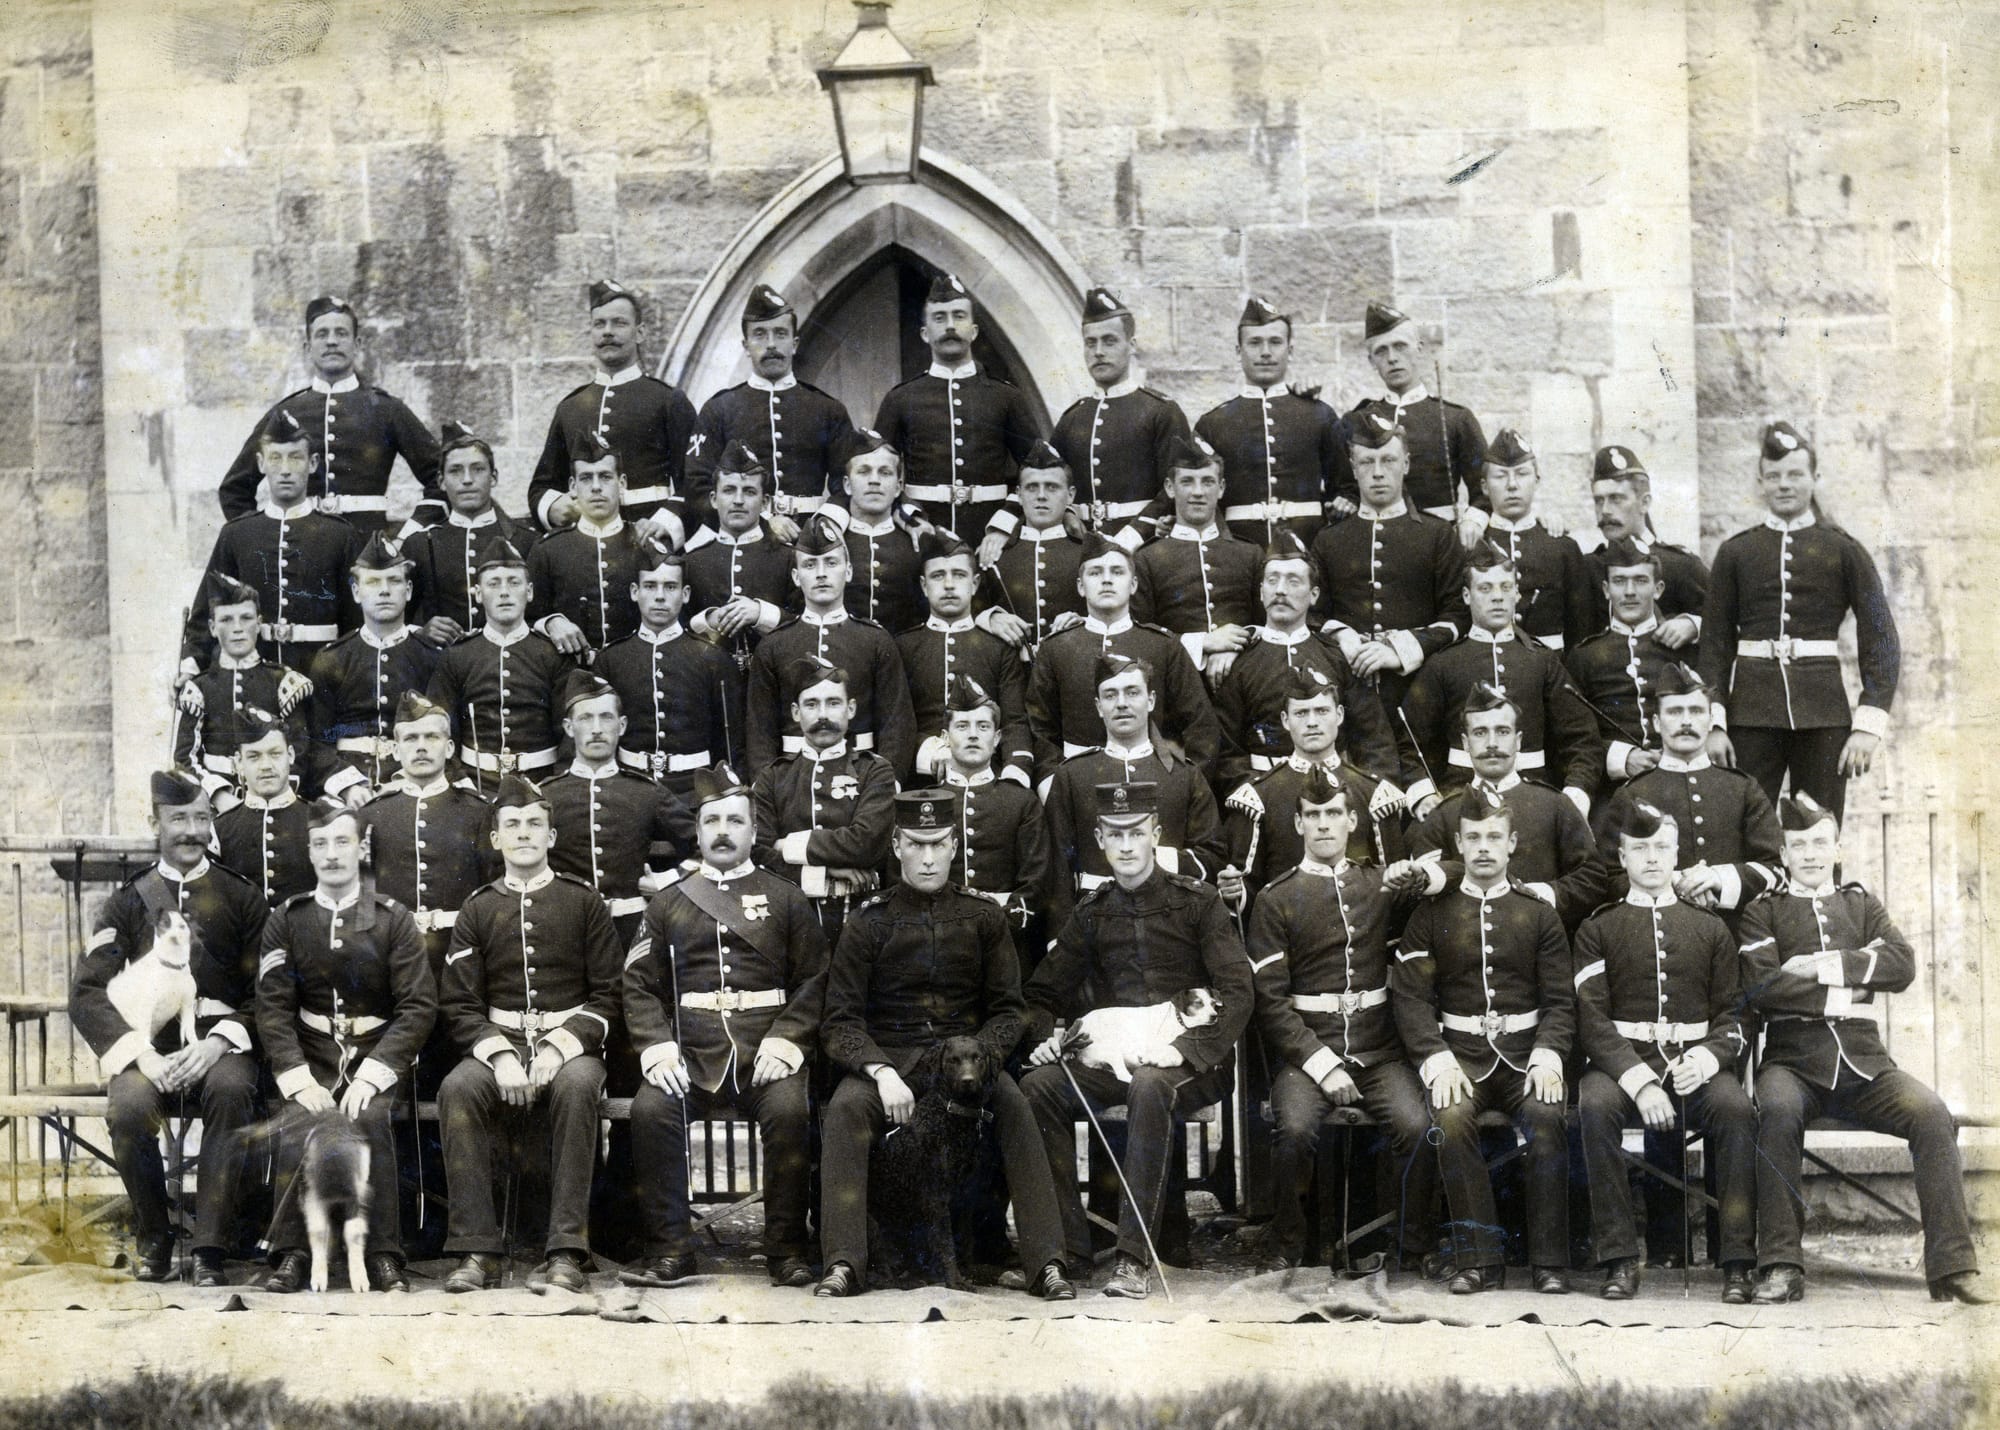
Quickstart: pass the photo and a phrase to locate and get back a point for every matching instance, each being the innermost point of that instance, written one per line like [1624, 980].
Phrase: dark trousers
[474, 1120]
[659, 1148]
[1150, 1100]
[227, 1102]
[1721, 1110]
[855, 1122]
[1811, 757]
[1476, 1238]
[1894, 1103]
[385, 1233]
[1393, 1095]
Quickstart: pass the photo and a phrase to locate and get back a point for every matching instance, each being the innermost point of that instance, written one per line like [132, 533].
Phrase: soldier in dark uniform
[345, 999]
[217, 1073]
[882, 580]
[359, 680]
[1319, 950]
[948, 646]
[1447, 449]
[357, 428]
[723, 992]
[1197, 580]
[739, 579]
[1814, 959]
[1555, 857]
[880, 690]
[1250, 699]
[1621, 494]
[294, 556]
[919, 963]
[1657, 994]
[263, 838]
[1062, 684]
[1483, 1001]
[239, 689]
[1555, 585]
[616, 831]
[1618, 670]
[1770, 638]
[796, 430]
[963, 434]
[1559, 741]
[530, 991]
[503, 682]
[582, 575]
[1138, 940]
[650, 424]
[1031, 590]
[1392, 583]
[824, 814]
[444, 558]
[682, 697]
[1188, 831]
[1285, 465]
[1003, 836]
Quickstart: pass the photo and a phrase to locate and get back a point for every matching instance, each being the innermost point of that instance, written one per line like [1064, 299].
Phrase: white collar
[950, 628]
[432, 790]
[288, 513]
[1499, 786]
[334, 906]
[628, 373]
[784, 384]
[1261, 394]
[831, 752]
[1183, 532]
[744, 538]
[653, 637]
[489, 517]
[1645, 900]
[388, 642]
[722, 876]
[229, 662]
[540, 881]
[1417, 393]
[1526, 523]
[824, 618]
[167, 871]
[966, 369]
[1128, 753]
[1331, 764]
[1271, 636]
[1824, 891]
[583, 772]
[1309, 865]
[1674, 764]
[1401, 508]
[953, 777]
[284, 801]
[1124, 387]
[1116, 628]
[521, 633]
[885, 527]
[350, 383]
[1039, 534]
[1645, 627]
[1798, 523]
[601, 533]
[1480, 633]
[1467, 888]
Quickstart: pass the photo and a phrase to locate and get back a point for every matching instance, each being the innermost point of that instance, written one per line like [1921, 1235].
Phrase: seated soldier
[882, 576]
[919, 963]
[1031, 591]
[739, 580]
[582, 575]
[263, 836]
[1815, 956]
[359, 680]
[1657, 994]
[1197, 580]
[948, 647]
[722, 994]
[1134, 942]
[345, 1000]
[216, 1075]
[1483, 1001]
[1618, 670]
[238, 690]
[1555, 602]
[444, 559]
[1319, 947]
[530, 991]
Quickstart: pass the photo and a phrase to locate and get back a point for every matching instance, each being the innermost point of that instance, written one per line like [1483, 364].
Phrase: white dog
[157, 988]
[1112, 1037]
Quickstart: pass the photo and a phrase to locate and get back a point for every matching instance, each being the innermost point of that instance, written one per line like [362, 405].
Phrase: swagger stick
[1138, 1213]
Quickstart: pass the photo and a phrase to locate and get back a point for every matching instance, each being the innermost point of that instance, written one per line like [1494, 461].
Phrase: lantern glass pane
[878, 123]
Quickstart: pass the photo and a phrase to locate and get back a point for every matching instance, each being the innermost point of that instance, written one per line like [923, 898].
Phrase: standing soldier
[1032, 587]
[1770, 640]
[1003, 837]
[948, 647]
[1618, 670]
[963, 434]
[1284, 465]
[502, 682]
[647, 422]
[264, 837]
[1447, 449]
[1657, 994]
[1555, 595]
[239, 689]
[217, 1073]
[796, 430]
[531, 987]
[682, 697]
[360, 679]
[1392, 583]
[1483, 1000]
[295, 557]
[345, 999]
[723, 992]
[582, 575]
[1621, 494]
[739, 579]
[882, 580]
[357, 428]
[444, 559]
[1199, 581]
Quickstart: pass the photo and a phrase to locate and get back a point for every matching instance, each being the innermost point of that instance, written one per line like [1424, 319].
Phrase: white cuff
[1578, 798]
[1003, 521]
[541, 627]
[840, 516]
[1168, 858]
[1871, 721]
[487, 1049]
[1345, 637]
[565, 1043]
[1404, 644]
[768, 616]
[1545, 892]
[675, 525]
[929, 750]
[651, 1058]
[1422, 790]
[1192, 643]
[1635, 1078]
[1718, 715]
[1832, 970]
[1042, 789]
[1322, 1062]
[293, 1081]
[1546, 1058]
[785, 1051]
[1839, 1003]
[1433, 875]
[1436, 1066]
[1018, 775]
[702, 537]
[549, 499]
[1704, 1059]
[1728, 885]
[233, 1033]
[122, 1054]
[1588, 972]
[376, 1073]
[344, 778]
[1477, 515]
[984, 620]
[792, 848]
[812, 879]
[1615, 757]
[1128, 536]
[698, 624]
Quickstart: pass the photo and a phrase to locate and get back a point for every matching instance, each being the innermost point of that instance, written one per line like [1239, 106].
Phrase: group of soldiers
[1313, 710]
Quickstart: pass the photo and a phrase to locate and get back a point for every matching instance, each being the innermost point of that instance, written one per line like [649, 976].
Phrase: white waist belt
[212, 1008]
[1346, 1004]
[1786, 649]
[342, 1026]
[638, 496]
[1662, 1032]
[431, 920]
[1269, 510]
[293, 632]
[1492, 1025]
[863, 741]
[621, 907]
[220, 764]
[382, 746]
[1115, 510]
[534, 1023]
[338, 502]
[959, 493]
[734, 1000]
[678, 764]
[1526, 760]
[506, 764]
[796, 506]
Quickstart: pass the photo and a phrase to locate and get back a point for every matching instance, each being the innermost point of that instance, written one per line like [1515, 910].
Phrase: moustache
[820, 727]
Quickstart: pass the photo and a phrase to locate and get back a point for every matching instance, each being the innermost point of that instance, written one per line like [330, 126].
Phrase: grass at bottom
[218, 1403]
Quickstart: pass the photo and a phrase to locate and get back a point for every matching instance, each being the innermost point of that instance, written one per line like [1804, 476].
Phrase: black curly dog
[917, 1166]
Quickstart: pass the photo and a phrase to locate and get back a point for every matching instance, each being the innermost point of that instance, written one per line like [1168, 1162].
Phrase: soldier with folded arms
[1197, 580]
[1618, 670]
[950, 646]
[360, 679]
[1447, 449]
[444, 559]
[1031, 589]
[240, 689]
[582, 575]
[739, 578]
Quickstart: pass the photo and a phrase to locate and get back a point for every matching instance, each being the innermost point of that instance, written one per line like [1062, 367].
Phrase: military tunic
[1250, 702]
[841, 801]
[1192, 581]
[357, 431]
[1555, 853]
[937, 651]
[880, 689]
[683, 703]
[611, 827]
[1263, 842]
[794, 429]
[297, 563]
[207, 743]
[505, 699]
[1117, 443]
[1035, 579]
[1003, 844]
[1190, 829]
[1618, 673]
[444, 563]
[432, 848]
[1555, 584]
[963, 436]
[1447, 449]
[1560, 745]
[1284, 460]
[587, 575]
[1684, 590]
[1062, 692]
[1401, 576]
[357, 683]
[1723, 820]
[884, 577]
[648, 423]
[266, 844]
[721, 567]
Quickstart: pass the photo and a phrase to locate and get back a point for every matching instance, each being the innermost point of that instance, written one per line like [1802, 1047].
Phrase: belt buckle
[1492, 1025]
[961, 493]
[727, 1002]
[509, 762]
[657, 763]
[1350, 1004]
[532, 1023]
[1100, 512]
[782, 504]
[281, 631]
[343, 1026]
[1663, 1032]
[330, 504]
[1784, 647]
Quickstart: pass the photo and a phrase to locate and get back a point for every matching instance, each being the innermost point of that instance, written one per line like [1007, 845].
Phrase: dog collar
[968, 1109]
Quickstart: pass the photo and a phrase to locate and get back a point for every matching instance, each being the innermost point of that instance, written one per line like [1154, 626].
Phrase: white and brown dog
[1112, 1037]
[157, 988]
[334, 1188]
